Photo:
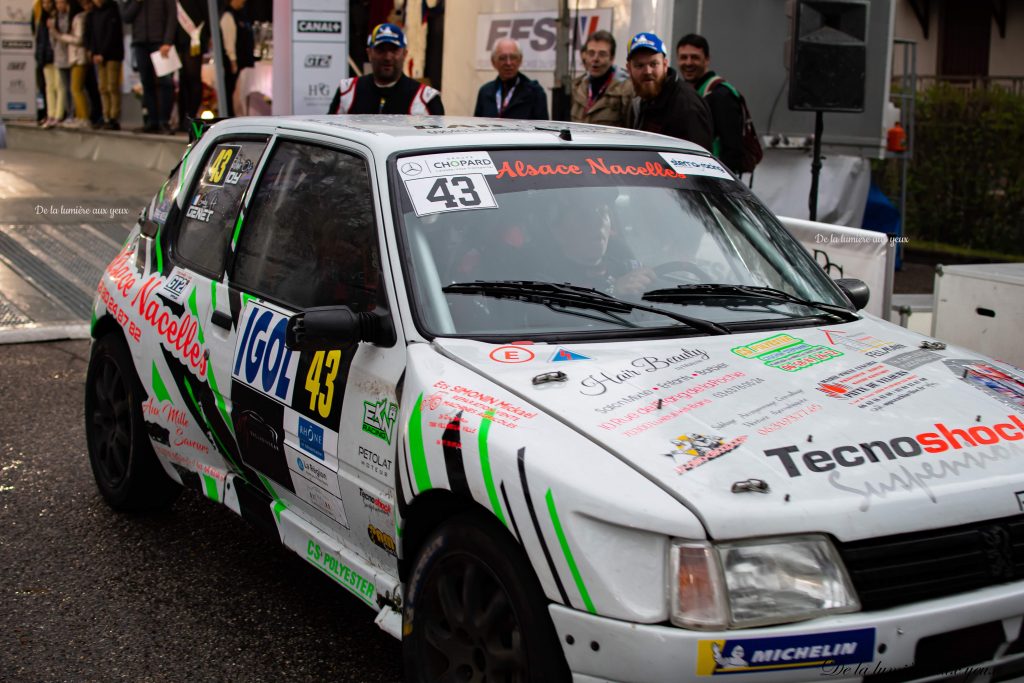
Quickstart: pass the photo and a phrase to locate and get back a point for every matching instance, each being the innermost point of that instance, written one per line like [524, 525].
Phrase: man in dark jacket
[104, 39]
[386, 90]
[154, 24]
[193, 35]
[511, 95]
[693, 54]
[665, 103]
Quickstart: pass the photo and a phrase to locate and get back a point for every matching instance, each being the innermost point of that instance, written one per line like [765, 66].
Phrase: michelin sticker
[747, 655]
[692, 164]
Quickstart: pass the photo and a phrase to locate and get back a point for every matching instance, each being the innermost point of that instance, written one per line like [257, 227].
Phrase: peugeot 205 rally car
[559, 402]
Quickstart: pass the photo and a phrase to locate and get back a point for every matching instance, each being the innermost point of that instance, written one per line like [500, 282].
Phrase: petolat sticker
[746, 655]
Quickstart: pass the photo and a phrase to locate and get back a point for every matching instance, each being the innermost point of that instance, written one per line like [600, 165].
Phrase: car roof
[390, 133]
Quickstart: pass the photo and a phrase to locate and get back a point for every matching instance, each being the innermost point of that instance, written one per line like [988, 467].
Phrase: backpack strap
[706, 89]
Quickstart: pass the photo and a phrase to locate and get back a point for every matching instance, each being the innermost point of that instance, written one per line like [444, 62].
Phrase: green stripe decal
[419, 458]
[92, 323]
[220, 444]
[279, 504]
[568, 554]
[195, 313]
[159, 388]
[213, 295]
[211, 488]
[159, 252]
[485, 466]
[238, 230]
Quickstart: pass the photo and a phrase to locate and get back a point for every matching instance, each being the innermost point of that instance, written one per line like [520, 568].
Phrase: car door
[310, 237]
[188, 410]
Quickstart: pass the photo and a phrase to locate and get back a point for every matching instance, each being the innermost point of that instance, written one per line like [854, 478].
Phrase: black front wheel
[476, 612]
[126, 469]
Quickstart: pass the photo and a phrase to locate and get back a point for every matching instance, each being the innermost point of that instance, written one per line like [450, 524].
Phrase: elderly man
[603, 94]
[666, 104]
[387, 90]
[512, 95]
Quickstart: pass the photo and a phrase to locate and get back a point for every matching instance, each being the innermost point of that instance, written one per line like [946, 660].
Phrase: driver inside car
[588, 254]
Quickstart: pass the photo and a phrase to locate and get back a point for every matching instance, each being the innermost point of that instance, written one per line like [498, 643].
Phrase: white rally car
[559, 402]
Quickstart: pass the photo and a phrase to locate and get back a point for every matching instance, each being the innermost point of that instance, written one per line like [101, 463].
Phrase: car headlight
[757, 582]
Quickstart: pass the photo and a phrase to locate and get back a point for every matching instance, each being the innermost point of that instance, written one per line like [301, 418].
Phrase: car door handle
[221, 319]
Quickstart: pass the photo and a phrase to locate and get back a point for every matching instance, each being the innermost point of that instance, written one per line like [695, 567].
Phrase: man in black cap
[387, 90]
[665, 104]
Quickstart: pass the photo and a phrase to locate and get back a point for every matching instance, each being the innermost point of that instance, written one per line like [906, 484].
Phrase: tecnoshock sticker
[692, 164]
[747, 655]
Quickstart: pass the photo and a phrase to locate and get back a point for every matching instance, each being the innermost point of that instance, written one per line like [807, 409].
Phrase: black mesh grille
[896, 570]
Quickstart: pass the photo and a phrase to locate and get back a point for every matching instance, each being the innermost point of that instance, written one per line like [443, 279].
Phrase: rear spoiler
[198, 127]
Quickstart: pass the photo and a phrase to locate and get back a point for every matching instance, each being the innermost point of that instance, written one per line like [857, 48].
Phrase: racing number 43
[320, 401]
[441, 193]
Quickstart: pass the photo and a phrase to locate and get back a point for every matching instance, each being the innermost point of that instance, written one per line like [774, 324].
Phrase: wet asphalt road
[87, 594]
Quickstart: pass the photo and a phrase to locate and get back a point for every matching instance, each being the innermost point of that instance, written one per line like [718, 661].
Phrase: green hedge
[966, 180]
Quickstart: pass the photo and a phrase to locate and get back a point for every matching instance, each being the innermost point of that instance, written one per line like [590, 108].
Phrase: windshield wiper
[715, 291]
[553, 294]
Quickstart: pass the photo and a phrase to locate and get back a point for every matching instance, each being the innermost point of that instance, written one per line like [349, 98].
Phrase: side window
[309, 237]
[212, 208]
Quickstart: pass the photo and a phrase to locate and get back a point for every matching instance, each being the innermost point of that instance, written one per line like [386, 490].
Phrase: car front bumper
[979, 629]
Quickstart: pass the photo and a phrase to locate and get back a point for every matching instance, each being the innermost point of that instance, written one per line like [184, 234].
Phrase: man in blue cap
[665, 103]
[387, 90]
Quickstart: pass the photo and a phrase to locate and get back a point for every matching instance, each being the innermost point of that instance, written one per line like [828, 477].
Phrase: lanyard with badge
[503, 103]
[592, 97]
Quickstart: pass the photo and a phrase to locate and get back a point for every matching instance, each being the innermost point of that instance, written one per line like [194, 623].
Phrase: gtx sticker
[176, 285]
[745, 655]
[262, 361]
[379, 419]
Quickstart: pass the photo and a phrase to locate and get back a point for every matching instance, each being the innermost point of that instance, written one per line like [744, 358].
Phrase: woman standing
[44, 58]
[70, 33]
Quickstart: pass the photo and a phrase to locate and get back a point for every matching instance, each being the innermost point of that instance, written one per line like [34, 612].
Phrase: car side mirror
[855, 290]
[329, 327]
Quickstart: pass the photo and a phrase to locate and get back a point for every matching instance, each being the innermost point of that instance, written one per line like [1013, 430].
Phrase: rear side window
[310, 237]
[212, 208]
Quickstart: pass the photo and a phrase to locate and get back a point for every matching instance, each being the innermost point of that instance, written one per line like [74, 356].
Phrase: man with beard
[387, 90]
[666, 103]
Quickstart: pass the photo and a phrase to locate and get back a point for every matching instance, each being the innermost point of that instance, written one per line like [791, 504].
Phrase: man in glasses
[512, 95]
[604, 92]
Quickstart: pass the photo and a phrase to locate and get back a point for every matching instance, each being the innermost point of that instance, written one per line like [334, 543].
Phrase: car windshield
[545, 243]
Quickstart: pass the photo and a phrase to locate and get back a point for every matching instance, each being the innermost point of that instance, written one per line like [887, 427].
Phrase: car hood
[859, 430]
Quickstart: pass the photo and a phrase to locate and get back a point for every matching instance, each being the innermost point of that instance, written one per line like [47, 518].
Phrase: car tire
[124, 465]
[468, 562]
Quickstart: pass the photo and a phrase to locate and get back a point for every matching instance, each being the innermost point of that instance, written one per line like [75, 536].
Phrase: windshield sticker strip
[536, 528]
[485, 465]
[693, 164]
[421, 474]
[446, 164]
[580, 586]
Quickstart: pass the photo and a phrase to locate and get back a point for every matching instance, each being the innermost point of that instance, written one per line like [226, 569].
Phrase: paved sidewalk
[62, 221]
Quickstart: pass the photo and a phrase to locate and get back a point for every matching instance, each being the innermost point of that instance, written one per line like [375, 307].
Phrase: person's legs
[110, 87]
[78, 92]
[92, 89]
[52, 79]
[63, 94]
[165, 94]
[190, 87]
[147, 76]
